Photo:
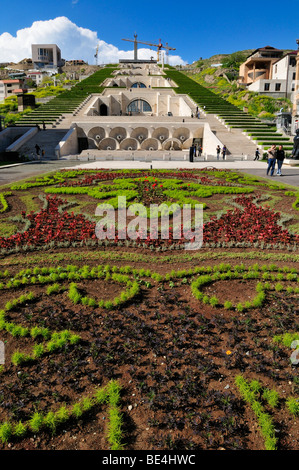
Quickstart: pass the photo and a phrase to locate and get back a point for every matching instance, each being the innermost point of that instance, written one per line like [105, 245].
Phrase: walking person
[224, 152]
[218, 150]
[37, 149]
[271, 160]
[257, 154]
[280, 155]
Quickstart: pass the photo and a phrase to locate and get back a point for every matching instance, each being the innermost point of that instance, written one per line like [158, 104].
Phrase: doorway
[103, 110]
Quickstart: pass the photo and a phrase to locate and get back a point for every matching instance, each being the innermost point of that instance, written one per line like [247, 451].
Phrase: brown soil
[175, 357]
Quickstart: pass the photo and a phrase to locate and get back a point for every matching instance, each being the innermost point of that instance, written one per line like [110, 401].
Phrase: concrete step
[236, 142]
[47, 141]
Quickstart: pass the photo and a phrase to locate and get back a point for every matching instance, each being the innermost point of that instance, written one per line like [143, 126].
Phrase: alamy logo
[187, 222]
[2, 353]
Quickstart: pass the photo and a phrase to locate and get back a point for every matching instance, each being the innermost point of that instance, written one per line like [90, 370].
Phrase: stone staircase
[236, 142]
[47, 141]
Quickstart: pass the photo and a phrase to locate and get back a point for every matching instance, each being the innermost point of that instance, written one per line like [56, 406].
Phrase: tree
[234, 60]
[30, 83]
[200, 63]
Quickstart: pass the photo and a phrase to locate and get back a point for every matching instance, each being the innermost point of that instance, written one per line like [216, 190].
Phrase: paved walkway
[18, 172]
[155, 164]
[289, 175]
[15, 173]
[258, 168]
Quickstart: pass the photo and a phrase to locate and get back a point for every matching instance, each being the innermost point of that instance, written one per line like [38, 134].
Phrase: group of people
[222, 152]
[196, 150]
[275, 155]
[197, 113]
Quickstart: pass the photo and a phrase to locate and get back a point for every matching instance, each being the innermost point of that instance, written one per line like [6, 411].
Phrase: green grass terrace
[231, 115]
[68, 101]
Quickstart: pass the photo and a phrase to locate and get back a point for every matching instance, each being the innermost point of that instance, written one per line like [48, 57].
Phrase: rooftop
[265, 49]
[10, 81]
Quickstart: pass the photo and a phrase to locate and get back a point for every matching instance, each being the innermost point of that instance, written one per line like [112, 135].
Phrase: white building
[36, 77]
[282, 83]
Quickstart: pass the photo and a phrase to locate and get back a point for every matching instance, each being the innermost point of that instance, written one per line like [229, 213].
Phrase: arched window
[139, 106]
[138, 85]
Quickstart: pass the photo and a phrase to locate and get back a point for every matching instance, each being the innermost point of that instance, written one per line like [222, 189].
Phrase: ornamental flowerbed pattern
[121, 344]
[247, 222]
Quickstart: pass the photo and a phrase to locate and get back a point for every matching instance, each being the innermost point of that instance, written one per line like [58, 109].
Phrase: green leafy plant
[6, 431]
[272, 397]
[250, 392]
[109, 394]
[293, 405]
[36, 422]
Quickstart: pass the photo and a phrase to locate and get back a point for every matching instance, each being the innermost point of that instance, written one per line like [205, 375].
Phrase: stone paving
[11, 173]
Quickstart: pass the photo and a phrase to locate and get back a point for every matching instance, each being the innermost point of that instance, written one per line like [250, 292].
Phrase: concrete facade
[12, 138]
[139, 102]
[133, 134]
[271, 87]
[138, 81]
[46, 56]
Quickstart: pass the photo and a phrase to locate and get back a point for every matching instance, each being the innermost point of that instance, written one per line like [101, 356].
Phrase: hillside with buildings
[260, 105]
[260, 82]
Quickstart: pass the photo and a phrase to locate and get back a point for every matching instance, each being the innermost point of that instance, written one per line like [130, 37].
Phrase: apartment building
[46, 56]
[11, 87]
[282, 81]
[258, 65]
[36, 77]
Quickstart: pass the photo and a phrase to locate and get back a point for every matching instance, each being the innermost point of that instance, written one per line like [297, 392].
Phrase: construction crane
[159, 46]
[167, 52]
[96, 54]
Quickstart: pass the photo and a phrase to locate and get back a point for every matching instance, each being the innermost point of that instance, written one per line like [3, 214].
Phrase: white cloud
[75, 43]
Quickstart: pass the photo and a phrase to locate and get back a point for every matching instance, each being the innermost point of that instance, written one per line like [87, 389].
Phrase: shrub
[36, 422]
[5, 431]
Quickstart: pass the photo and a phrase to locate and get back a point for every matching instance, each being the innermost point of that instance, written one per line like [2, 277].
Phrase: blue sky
[195, 29]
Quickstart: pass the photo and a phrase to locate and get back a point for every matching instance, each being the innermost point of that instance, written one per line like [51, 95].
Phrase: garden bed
[143, 345]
